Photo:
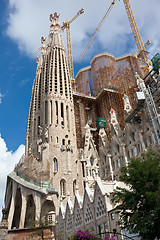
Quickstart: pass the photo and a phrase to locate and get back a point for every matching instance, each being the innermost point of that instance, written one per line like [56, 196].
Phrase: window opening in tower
[46, 112]
[55, 71]
[51, 70]
[67, 113]
[56, 112]
[51, 111]
[60, 73]
[62, 115]
[46, 75]
[34, 128]
[38, 125]
[65, 80]
[39, 91]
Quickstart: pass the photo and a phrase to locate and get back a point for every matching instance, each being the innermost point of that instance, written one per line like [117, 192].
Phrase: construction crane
[143, 54]
[99, 26]
[66, 25]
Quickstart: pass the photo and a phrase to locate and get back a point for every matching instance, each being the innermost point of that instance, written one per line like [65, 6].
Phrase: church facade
[77, 141]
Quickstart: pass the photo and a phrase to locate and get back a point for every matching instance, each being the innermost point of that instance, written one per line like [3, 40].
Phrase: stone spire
[55, 37]
[50, 138]
[51, 81]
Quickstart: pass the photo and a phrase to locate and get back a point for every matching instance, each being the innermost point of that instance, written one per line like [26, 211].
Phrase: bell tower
[51, 135]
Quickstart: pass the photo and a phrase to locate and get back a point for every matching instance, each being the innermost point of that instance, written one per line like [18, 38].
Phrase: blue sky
[22, 23]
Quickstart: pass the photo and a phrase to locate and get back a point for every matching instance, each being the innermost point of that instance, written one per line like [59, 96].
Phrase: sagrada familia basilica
[78, 139]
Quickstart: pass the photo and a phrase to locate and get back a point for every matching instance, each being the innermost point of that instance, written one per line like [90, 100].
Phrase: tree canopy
[139, 204]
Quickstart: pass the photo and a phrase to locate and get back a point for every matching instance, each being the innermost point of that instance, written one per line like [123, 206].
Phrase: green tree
[139, 205]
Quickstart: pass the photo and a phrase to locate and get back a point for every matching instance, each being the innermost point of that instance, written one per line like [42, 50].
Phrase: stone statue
[40, 131]
[43, 48]
[127, 106]
[46, 132]
[114, 121]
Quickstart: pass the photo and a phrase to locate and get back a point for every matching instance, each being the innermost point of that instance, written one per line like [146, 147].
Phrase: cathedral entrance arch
[48, 211]
[17, 211]
[30, 212]
[9, 190]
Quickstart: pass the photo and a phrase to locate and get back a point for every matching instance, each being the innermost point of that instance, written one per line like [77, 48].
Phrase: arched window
[48, 212]
[67, 117]
[133, 136]
[62, 114]
[91, 161]
[150, 140]
[51, 112]
[46, 112]
[74, 187]
[118, 148]
[63, 188]
[17, 210]
[56, 112]
[55, 165]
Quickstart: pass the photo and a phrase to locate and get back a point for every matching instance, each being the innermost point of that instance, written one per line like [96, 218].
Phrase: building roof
[31, 186]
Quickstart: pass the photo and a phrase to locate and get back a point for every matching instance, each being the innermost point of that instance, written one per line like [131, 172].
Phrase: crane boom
[99, 26]
[38, 50]
[136, 33]
[66, 25]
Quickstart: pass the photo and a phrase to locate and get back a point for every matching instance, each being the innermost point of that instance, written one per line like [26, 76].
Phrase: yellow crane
[97, 29]
[143, 54]
[66, 25]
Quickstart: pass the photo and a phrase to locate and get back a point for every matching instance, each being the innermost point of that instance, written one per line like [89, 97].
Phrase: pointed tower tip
[56, 15]
[112, 111]
[54, 18]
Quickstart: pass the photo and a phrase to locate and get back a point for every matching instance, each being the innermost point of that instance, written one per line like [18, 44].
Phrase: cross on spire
[56, 15]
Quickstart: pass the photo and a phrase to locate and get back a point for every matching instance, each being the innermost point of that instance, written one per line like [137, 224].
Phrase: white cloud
[8, 159]
[1, 95]
[29, 20]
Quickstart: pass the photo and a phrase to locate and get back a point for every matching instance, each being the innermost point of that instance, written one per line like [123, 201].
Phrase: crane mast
[66, 25]
[136, 33]
[69, 50]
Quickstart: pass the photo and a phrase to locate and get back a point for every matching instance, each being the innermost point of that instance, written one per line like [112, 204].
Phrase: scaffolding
[149, 103]
[152, 79]
[152, 113]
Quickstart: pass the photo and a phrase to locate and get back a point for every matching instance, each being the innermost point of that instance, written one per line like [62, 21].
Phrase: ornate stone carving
[46, 132]
[127, 106]
[114, 121]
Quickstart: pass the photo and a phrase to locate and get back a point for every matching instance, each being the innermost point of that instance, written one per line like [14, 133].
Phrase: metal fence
[42, 184]
[116, 236]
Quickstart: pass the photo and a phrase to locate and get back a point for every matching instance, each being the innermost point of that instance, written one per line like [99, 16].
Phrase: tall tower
[51, 149]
